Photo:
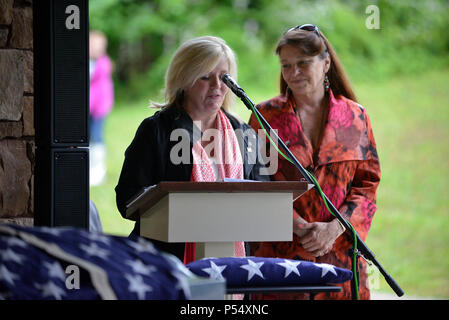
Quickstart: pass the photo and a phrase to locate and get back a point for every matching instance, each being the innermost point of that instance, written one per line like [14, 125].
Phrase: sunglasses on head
[306, 27]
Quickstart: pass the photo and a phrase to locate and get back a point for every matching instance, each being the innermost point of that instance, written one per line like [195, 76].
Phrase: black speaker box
[61, 72]
[61, 112]
[62, 198]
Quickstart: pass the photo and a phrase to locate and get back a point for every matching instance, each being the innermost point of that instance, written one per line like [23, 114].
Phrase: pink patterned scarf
[229, 164]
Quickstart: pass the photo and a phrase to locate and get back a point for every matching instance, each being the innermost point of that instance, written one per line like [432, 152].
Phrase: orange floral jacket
[346, 166]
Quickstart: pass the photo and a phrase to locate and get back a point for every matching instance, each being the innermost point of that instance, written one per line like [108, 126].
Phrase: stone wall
[16, 112]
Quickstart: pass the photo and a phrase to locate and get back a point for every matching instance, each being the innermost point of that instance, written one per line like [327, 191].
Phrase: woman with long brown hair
[319, 119]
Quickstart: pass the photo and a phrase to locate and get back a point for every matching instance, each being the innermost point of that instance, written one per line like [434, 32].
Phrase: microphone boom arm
[362, 247]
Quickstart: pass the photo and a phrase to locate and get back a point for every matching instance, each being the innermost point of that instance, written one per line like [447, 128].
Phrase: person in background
[196, 100]
[319, 119]
[100, 104]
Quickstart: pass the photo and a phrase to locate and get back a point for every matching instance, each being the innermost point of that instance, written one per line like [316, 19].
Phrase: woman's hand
[296, 227]
[318, 238]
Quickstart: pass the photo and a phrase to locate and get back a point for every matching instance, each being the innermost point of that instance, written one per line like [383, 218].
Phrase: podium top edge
[250, 186]
[151, 195]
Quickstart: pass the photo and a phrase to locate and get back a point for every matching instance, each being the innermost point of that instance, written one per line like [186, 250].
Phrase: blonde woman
[196, 103]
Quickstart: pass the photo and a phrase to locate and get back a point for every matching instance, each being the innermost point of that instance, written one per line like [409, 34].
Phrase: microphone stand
[362, 250]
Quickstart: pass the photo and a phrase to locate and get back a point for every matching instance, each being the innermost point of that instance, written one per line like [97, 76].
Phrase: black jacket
[147, 160]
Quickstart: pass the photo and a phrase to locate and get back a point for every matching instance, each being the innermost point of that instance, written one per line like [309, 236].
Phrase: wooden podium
[216, 214]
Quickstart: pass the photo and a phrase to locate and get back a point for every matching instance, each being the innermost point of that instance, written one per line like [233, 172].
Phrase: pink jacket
[101, 88]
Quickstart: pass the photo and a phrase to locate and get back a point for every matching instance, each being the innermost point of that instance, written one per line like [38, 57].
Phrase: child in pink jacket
[101, 103]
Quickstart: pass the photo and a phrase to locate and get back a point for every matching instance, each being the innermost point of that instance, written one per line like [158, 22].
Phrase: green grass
[120, 128]
[409, 233]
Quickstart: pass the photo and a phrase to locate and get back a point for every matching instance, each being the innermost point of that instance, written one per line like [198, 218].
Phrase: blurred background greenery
[400, 74]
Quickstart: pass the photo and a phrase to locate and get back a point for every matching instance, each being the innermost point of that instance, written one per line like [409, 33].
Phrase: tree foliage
[143, 35]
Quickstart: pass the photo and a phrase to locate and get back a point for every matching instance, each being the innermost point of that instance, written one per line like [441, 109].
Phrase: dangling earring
[326, 83]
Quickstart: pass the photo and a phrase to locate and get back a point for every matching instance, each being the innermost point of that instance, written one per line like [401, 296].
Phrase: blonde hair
[194, 59]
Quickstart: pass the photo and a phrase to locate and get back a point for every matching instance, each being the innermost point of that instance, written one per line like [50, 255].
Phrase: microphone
[228, 81]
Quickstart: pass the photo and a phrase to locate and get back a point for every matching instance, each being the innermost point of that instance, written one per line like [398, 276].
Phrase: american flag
[69, 263]
[258, 271]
